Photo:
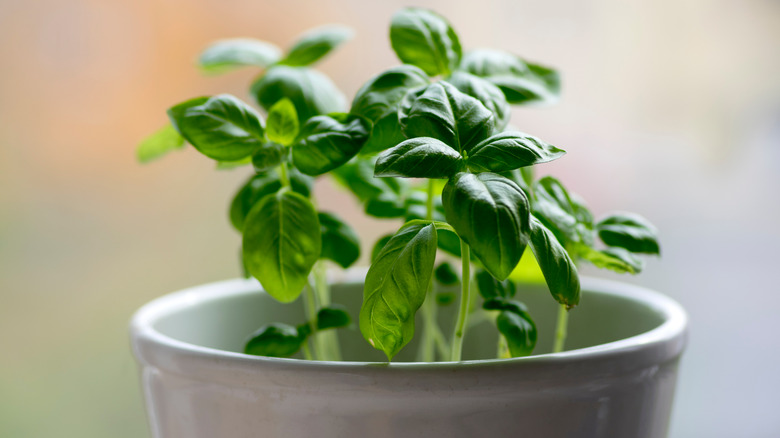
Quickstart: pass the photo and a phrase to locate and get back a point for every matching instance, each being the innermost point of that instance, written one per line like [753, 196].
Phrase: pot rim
[665, 341]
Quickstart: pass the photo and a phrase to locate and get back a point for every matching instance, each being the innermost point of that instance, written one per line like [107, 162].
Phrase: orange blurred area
[670, 109]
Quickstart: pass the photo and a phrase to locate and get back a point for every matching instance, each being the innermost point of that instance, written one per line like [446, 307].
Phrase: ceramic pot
[616, 379]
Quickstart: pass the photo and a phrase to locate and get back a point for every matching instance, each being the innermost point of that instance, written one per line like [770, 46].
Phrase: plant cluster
[428, 142]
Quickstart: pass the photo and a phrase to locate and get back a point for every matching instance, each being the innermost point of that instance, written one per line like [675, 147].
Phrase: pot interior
[227, 321]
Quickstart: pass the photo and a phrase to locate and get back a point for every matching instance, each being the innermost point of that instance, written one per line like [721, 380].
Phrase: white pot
[617, 380]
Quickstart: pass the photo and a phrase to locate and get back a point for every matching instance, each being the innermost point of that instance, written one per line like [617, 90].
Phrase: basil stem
[310, 305]
[283, 176]
[426, 351]
[560, 329]
[465, 300]
[328, 338]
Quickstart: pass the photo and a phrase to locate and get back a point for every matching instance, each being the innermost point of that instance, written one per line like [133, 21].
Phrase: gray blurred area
[671, 108]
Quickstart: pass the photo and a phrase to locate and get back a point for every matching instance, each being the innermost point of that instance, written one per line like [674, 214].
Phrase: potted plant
[427, 142]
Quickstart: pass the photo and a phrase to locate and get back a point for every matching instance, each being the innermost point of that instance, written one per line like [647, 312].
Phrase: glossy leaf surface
[510, 150]
[315, 44]
[310, 91]
[158, 144]
[421, 157]
[259, 186]
[333, 316]
[615, 259]
[489, 287]
[629, 231]
[282, 241]
[220, 127]
[564, 214]
[490, 213]
[396, 286]
[340, 243]
[282, 125]
[486, 92]
[268, 156]
[424, 38]
[443, 112]
[327, 142]
[559, 270]
[229, 54]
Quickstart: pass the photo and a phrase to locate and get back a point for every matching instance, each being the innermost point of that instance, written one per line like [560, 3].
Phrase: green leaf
[379, 245]
[396, 286]
[443, 112]
[282, 241]
[378, 100]
[229, 165]
[446, 275]
[421, 157]
[615, 259]
[489, 287]
[566, 216]
[220, 127]
[334, 316]
[487, 93]
[268, 156]
[519, 331]
[282, 126]
[340, 243]
[629, 231]
[158, 144]
[315, 44]
[357, 175]
[491, 214]
[521, 82]
[259, 186]
[424, 38]
[510, 150]
[226, 55]
[310, 91]
[327, 142]
[386, 205]
[275, 340]
[559, 270]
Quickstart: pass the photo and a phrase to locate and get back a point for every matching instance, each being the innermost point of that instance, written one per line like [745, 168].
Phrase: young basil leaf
[310, 91]
[260, 185]
[424, 38]
[446, 275]
[396, 286]
[510, 150]
[275, 340]
[421, 157]
[448, 242]
[315, 44]
[519, 331]
[282, 125]
[340, 243]
[521, 82]
[559, 270]
[505, 304]
[378, 101]
[220, 127]
[487, 93]
[268, 156]
[160, 143]
[615, 259]
[379, 245]
[490, 213]
[445, 298]
[629, 231]
[327, 142]
[226, 55]
[334, 316]
[282, 241]
[357, 175]
[489, 287]
[443, 112]
[568, 219]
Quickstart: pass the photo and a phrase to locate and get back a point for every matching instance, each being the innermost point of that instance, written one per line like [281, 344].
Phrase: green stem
[310, 305]
[503, 348]
[307, 351]
[560, 330]
[329, 339]
[426, 352]
[465, 300]
[283, 176]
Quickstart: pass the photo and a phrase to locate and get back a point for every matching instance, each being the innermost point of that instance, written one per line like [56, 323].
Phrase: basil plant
[426, 142]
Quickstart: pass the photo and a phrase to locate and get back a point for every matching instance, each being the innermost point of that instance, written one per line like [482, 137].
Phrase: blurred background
[671, 108]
